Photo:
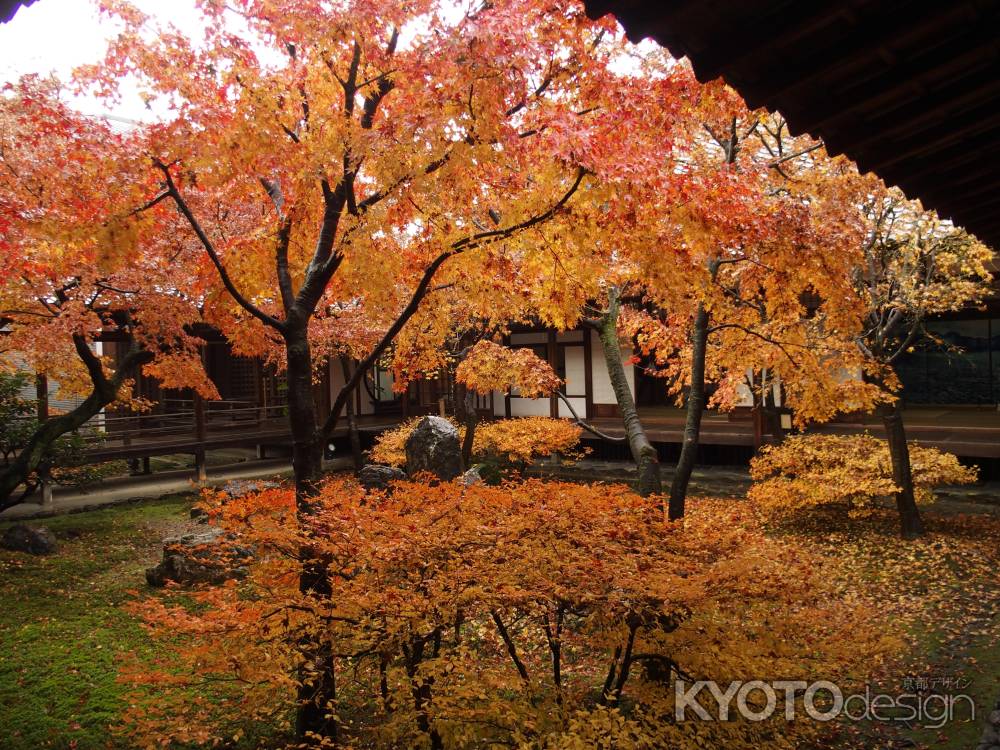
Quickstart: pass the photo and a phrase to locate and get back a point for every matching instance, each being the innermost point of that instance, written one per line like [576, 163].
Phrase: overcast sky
[54, 36]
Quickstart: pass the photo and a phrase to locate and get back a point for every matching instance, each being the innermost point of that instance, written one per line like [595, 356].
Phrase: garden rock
[991, 734]
[472, 477]
[237, 488]
[35, 540]
[379, 477]
[209, 556]
[434, 446]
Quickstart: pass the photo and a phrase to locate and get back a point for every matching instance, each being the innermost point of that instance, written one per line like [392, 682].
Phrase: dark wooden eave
[909, 89]
[9, 7]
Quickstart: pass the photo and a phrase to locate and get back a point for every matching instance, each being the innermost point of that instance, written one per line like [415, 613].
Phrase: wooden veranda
[197, 426]
[966, 432]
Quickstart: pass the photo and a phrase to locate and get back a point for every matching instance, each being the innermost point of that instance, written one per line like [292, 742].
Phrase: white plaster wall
[529, 407]
[576, 372]
[603, 393]
[579, 404]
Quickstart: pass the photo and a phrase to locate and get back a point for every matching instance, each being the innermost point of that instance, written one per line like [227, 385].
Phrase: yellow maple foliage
[531, 615]
[491, 367]
[518, 440]
[856, 470]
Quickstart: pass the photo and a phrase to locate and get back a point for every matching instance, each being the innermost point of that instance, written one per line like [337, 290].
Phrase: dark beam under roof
[9, 7]
[909, 89]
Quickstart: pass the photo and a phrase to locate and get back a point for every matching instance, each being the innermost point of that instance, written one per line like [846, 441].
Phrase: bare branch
[586, 425]
[796, 155]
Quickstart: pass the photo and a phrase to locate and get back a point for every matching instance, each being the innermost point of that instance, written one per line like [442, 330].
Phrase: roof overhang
[909, 89]
[9, 7]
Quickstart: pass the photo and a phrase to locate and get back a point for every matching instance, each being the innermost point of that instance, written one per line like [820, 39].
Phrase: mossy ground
[62, 625]
[941, 595]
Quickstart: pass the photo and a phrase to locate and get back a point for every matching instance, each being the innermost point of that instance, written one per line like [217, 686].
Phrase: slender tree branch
[796, 155]
[213, 255]
[511, 648]
[758, 335]
[586, 425]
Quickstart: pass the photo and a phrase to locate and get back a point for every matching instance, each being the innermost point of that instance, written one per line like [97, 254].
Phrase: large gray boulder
[35, 540]
[204, 556]
[379, 477]
[991, 732]
[434, 446]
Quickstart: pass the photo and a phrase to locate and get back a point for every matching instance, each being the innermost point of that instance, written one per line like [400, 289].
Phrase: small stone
[379, 477]
[433, 446]
[472, 477]
[990, 736]
[35, 540]
[994, 717]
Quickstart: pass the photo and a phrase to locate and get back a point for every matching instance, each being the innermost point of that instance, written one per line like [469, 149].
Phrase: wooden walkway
[973, 433]
[203, 427]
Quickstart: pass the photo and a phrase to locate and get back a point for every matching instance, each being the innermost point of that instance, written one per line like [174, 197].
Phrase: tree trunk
[104, 393]
[32, 456]
[471, 420]
[695, 409]
[643, 453]
[352, 422]
[911, 525]
[772, 416]
[317, 689]
[307, 448]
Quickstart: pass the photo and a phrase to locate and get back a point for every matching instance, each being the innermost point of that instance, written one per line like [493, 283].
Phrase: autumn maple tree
[536, 614]
[336, 156]
[731, 259]
[851, 470]
[489, 367]
[336, 163]
[913, 266]
[79, 262]
[764, 235]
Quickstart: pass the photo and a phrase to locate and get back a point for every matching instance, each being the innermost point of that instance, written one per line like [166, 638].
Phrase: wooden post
[200, 435]
[42, 397]
[552, 354]
[506, 395]
[42, 406]
[757, 417]
[588, 373]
